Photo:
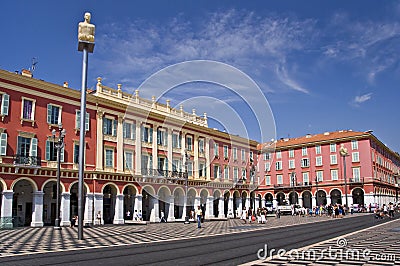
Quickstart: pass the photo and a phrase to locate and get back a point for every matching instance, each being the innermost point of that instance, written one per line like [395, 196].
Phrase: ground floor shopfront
[31, 200]
[362, 193]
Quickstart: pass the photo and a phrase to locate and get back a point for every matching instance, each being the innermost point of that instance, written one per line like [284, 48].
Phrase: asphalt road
[230, 249]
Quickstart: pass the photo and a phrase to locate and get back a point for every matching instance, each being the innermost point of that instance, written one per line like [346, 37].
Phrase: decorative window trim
[33, 110]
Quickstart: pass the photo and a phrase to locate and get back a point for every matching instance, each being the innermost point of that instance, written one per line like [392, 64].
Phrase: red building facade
[141, 156]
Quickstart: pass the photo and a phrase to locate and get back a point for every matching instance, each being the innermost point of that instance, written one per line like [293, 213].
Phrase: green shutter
[114, 129]
[78, 119]
[133, 134]
[3, 143]
[33, 151]
[49, 113]
[5, 101]
[105, 126]
[158, 137]
[151, 135]
[142, 132]
[48, 143]
[62, 155]
[87, 121]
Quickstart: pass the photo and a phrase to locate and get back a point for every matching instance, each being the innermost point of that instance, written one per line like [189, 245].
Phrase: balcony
[290, 186]
[162, 173]
[356, 181]
[20, 160]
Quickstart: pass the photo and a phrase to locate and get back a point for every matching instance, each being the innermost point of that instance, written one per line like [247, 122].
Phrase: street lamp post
[344, 153]
[187, 157]
[293, 176]
[316, 193]
[59, 145]
[85, 45]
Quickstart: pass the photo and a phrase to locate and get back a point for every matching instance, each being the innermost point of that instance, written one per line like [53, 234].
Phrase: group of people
[259, 216]
[385, 211]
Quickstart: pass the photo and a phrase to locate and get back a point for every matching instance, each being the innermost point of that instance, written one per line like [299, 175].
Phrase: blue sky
[322, 65]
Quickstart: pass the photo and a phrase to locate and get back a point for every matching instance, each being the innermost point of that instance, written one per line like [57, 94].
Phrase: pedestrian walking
[199, 214]
[98, 217]
[128, 215]
[73, 221]
[162, 218]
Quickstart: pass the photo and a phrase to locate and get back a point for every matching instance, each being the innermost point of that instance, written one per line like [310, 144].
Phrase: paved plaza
[377, 245]
[22, 241]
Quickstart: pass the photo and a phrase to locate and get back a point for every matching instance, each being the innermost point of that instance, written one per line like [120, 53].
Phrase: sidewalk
[23, 241]
[377, 245]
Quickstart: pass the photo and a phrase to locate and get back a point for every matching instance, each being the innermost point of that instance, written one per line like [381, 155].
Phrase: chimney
[65, 84]
[26, 73]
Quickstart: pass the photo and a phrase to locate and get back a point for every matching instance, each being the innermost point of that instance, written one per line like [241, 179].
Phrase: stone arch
[280, 198]
[307, 199]
[227, 211]
[32, 182]
[23, 201]
[148, 201]
[217, 194]
[62, 186]
[293, 198]
[320, 197]
[179, 200]
[358, 195]
[237, 203]
[163, 194]
[110, 192]
[129, 191]
[336, 196]
[85, 187]
[3, 184]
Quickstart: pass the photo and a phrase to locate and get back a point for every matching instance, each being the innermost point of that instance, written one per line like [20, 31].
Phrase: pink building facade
[309, 170]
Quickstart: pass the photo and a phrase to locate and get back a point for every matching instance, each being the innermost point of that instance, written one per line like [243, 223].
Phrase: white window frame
[243, 154]
[217, 171]
[108, 149]
[132, 126]
[304, 151]
[226, 172]
[303, 164]
[235, 174]
[201, 145]
[279, 179]
[23, 99]
[278, 154]
[318, 149]
[318, 161]
[78, 120]
[306, 178]
[235, 153]
[335, 176]
[59, 114]
[226, 151]
[3, 144]
[333, 159]
[267, 180]
[131, 152]
[332, 147]
[291, 153]
[320, 176]
[216, 149]
[355, 157]
[189, 143]
[268, 166]
[354, 144]
[356, 174]
[5, 105]
[292, 164]
[278, 165]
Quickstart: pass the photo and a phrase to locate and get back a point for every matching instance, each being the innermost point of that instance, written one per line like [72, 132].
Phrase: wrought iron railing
[26, 160]
[162, 173]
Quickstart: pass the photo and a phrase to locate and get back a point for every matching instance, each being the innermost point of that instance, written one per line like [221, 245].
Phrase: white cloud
[362, 98]
[284, 77]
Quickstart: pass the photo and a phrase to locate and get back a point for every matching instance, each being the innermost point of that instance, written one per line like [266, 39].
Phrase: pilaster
[37, 209]
[6, 209]
[119, 209]
[65, 209]
[99, 140]
[120, 145]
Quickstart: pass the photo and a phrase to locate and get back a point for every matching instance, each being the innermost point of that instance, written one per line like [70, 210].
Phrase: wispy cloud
[361, 99]
[240, 38]
[284, 77]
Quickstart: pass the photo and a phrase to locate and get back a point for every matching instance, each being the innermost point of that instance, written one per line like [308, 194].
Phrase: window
[267, 156]
[235, 174]
[162, 137]
[3, 144]
[78, 120]
[333, 147]
[278, 165]
[268, 180]
[279, 179]
[225, 151]
[278, 155]
[109, 126]
[333, 159]
[291, 153]
[128, 160]
[304, 151]
[244, 174]
[216, 171]
[267, 166]
[147, 162]
[176, 141]
[291, 164]
[251, 156]
[109, 158]
[318, 161]
[176, 165]
[147, 134]
[76, 153]
[5, 102]
[53, 114]
[51, 151]
[243, 155]
[355, 157]
[354, 145]
[305, 162]
[226, 172]
[27, 150]
[306, 179]
[128, 130]
[320, 176]
[201, 145]
[189, 143]
[216, 149]
[235, 154]
[190, 168]
[28, 109]
[356, 174]
[334, 174]
[202, 170]
[318, 149]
